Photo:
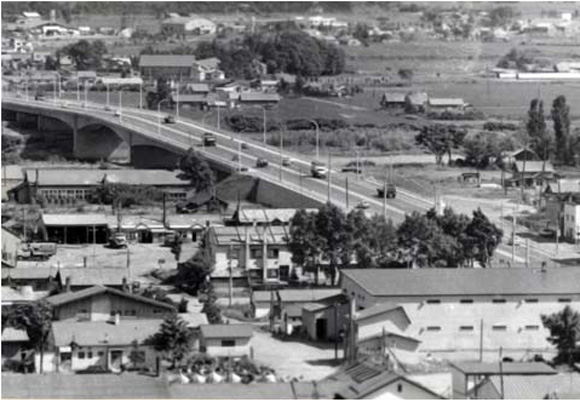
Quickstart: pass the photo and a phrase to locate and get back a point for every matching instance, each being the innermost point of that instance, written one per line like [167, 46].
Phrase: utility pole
[385, 197]
[527, 253]
[177, 102]
[514, 219]
[328, 176]
[501, 372]
[240, 157]
[501, 215]
[336, 331]
[231, 280]
[281, 148]
[346, 187]
[481, 341]
[357, 165]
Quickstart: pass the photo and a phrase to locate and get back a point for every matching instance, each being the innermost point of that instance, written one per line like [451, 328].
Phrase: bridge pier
[98, 142]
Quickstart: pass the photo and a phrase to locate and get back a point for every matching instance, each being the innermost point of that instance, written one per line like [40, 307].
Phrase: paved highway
[237, 151]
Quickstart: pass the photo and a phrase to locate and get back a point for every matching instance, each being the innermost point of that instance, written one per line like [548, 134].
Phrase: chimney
[117, 319]
[67, 284]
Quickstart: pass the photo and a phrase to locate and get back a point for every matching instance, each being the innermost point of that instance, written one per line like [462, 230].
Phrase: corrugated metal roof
[295, 295]
[92, 333]
[236, 235]
[223, 331]
[479, 368]
[166, 60]
[452, 281]
[10, 334]
[74, 219]
[261, 215]
[537, 387]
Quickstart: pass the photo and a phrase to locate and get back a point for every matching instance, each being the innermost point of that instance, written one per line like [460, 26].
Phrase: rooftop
[295, 295]
[233, 235]
[10, 334]
[534, 166]
[12, 172]
[446, 102]
[280, 390]
[197, 87]
[395, 97]
[222, 331]
[455, 282]
[378, 309]
[537, 387]
[74, 219]
[209, 64]
[93, 333]
[528, 368]
[166, 60]
[65, 298]
[261, 215]
[259, 97]
[87, 386]
[24, 294]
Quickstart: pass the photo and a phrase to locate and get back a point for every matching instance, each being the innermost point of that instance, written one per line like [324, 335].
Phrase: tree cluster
[194, 167]
[330, 238]
[86, 55]
[566, 143]
[441, 139]
[174, 339]
[486, 148]
[564, 329]
[125, 195]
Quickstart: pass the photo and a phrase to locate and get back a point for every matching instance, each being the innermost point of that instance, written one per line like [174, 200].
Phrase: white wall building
[452, 309]
[226, 340]
[572, 220]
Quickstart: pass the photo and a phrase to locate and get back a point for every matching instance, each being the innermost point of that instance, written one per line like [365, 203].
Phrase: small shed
[225, 340]
[76, 228]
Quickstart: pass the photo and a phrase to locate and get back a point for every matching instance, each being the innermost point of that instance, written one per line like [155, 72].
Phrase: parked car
[363, 205]
[117, 113]
[546, 232]
[39, 97]
[287, 161]
[244, 145]
[118, 240]
[261, 162]
[515, 240]
[169, 119]
[108, 108]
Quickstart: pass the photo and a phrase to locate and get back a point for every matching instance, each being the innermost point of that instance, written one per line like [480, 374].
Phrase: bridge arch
[97, 141]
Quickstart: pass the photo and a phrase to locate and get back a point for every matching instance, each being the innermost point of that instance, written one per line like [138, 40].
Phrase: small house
[417, 100]
[532, 173]
[393, 100]
[446, 105]
[259, 98]
[224, 340]
[14, 343]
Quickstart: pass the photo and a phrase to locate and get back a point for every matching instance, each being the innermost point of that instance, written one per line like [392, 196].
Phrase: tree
[136, 356]
[193, 274]
[173, 339]
[440, 139]
[86, 55]
[50, 63]
[484, 148]
[195, 168]
[501, 16]
[210, 307]
[331, 228]
[564, 334]
[36, 320]
[536, 127]
[373, 241]
[406, 73]
[419, 241]
[303, 242]
[561, 118]
[483, 237]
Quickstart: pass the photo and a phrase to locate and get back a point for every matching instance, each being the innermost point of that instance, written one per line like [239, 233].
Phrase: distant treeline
[65, 9]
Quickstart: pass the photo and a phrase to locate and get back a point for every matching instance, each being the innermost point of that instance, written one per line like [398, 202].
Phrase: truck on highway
[209, 140]
[391, 191]
[318, 170]
[37, 251]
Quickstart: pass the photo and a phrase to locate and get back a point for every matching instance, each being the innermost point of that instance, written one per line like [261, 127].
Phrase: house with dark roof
[366, 380]
[391, 100]
[178, 67]
[225, 340]
[208, 70]
[499, 307]
[100, 303]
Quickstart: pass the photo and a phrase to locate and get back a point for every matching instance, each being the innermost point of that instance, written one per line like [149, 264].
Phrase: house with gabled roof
[101, 303]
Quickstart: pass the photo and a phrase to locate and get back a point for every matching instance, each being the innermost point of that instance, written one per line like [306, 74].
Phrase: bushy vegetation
[448, 115]
[292, 52]
[499, 126]
[125, 195]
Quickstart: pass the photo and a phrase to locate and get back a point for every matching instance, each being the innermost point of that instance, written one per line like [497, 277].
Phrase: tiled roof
[65, 298]
[74, 219]
[452, 281]
[95, 276]
[92, 333]
[224, 331]
[478, 368]
[295, 295]
[65, 177]
[86, 386]
[10, 334]
[166, 60]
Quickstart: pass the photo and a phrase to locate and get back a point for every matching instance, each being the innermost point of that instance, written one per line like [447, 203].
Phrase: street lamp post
[177, 102]
[159, 115]
[218, 116]
[141, 95]
[27, 85]
[264, 112]
[281, 150]
[86, 94]
[317, 138]
[121, 104]
[108, 98]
